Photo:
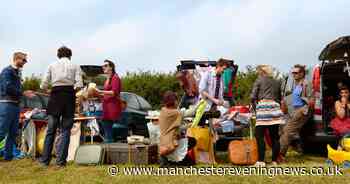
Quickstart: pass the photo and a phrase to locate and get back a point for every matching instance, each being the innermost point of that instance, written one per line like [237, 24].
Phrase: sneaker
[59, 167]
[42, 164]
[274, 163]
[260, 164]
[281, 158]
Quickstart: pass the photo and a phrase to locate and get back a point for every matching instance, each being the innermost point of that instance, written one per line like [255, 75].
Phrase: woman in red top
[111, 100]
[341, 123]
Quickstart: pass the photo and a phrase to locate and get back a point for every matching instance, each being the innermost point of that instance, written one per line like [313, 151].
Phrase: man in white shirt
[65, 78]
[211, 87]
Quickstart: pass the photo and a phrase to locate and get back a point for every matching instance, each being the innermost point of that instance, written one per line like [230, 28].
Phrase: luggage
[28, 141]
[74, 141]
[90, 155]
[137, 139]
[243, 152]
[139, 154]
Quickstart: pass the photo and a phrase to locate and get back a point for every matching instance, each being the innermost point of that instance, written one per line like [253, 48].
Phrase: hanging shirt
[227, 77]
[209, 83]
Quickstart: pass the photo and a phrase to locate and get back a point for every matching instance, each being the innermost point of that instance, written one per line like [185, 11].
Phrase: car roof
[92, 70]
[336, 50]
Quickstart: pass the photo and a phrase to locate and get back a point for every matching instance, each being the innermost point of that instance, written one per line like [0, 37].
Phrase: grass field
[28, 171]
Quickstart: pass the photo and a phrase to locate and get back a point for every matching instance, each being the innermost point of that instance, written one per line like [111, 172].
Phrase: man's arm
[307, 96]
[255, 90]
[10, 86]
[203, 89]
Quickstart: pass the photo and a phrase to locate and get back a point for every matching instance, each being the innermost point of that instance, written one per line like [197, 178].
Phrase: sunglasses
[295, 73]
[105, 65]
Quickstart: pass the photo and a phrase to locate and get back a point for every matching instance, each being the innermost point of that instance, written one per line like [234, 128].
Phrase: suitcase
[90, 155]
[243, 152]
[139, 154]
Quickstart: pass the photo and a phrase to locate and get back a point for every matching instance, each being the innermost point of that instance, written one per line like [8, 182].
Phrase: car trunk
[332, 74]
[93, 73]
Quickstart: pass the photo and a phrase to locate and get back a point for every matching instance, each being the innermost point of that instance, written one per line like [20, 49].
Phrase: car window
[131, 100]
[144, 104]
[22, 103]
[45, 101]
[34, 102]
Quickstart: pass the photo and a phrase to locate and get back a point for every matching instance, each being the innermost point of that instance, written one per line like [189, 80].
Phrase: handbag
[243, 152]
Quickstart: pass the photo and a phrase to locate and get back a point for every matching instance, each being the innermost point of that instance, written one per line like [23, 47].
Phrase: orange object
[243, 152]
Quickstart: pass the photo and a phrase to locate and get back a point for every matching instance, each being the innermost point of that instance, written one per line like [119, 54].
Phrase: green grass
[28, 171]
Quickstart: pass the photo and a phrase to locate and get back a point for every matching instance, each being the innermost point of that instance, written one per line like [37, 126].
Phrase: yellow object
[82, 94]
[345, 144]
[40, 139]
[92, 89]
[336, 156]
[202, 136]
[199, 113]
[204, 149]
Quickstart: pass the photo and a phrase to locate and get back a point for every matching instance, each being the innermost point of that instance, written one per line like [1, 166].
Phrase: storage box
[139, 154]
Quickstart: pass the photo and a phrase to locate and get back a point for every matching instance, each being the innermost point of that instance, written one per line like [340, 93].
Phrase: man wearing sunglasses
[302, 103]
[10, 94]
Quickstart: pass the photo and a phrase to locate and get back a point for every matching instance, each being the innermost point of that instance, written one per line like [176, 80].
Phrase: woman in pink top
[111, 100]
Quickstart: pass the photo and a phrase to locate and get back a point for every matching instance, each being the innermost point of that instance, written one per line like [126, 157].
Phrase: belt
[10, 101]
[7, 99]
[298, 107]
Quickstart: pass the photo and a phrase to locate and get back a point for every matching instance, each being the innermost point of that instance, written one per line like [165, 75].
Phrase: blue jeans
[9, 121]
[63, 145]
[107, 126]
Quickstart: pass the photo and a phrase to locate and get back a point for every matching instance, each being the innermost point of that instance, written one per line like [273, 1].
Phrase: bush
[151, 85]
[31, 83]
[244, 82]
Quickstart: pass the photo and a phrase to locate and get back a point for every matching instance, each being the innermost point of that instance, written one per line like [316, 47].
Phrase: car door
[134, 115]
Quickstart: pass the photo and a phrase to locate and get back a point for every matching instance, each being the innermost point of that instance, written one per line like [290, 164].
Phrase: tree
[244, 82]
[151, 85]
[32, 83]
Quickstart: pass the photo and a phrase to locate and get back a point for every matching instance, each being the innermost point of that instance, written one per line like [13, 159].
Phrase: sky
[154, 35]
